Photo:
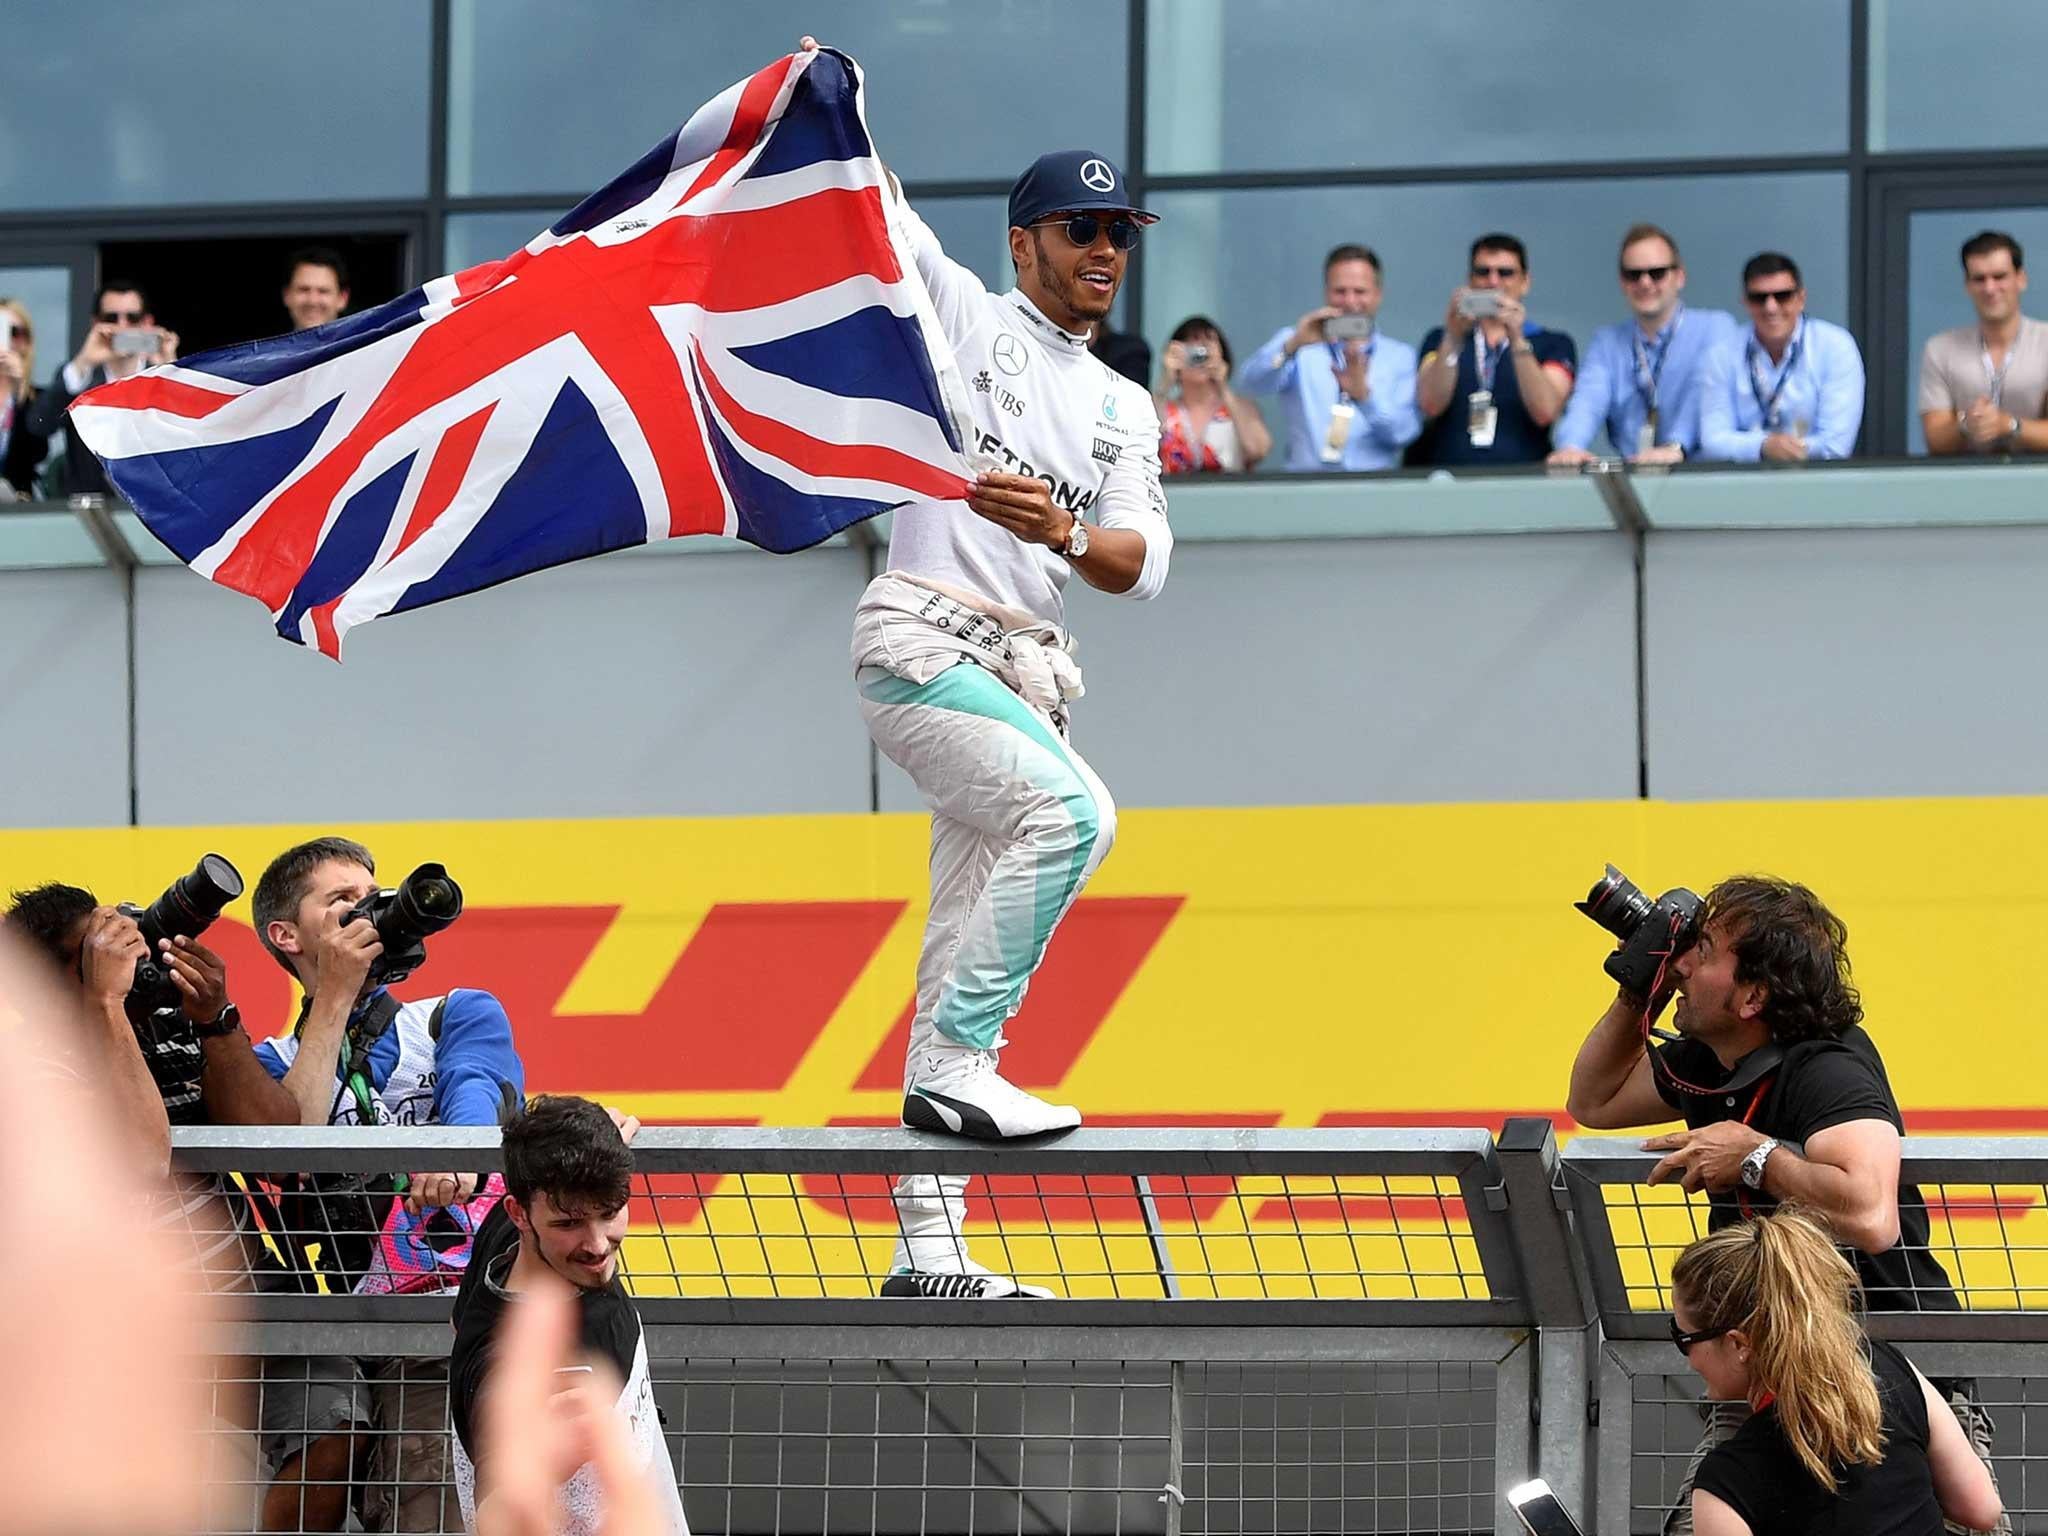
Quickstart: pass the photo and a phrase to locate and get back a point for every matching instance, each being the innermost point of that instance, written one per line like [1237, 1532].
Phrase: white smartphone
[1539, 1511]
[6, 329]
[139, 342]
[1479, 303]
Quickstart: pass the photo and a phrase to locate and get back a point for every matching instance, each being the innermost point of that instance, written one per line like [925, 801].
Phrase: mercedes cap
[1071, 180]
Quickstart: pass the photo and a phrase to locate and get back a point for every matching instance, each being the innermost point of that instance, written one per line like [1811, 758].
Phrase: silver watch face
[1077, 541]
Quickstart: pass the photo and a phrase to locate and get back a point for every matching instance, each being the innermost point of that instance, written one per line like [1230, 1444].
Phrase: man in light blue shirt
[1348, 392]
[1789, 387]
[1641, 379]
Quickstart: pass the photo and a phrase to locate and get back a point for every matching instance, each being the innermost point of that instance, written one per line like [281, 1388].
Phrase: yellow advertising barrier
[1408, 965]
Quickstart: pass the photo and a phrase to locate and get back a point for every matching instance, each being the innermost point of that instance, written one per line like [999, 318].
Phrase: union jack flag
[725, 340]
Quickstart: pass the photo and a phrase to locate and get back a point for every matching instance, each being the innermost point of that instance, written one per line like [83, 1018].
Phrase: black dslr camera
[1618, 904]
[425, 902]
[184, 911]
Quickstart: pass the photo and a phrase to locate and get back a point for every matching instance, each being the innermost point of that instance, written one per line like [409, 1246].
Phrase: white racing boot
[931, 1251]
[956, 1088]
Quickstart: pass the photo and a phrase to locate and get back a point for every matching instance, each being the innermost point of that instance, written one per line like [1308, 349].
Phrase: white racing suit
[965, 671]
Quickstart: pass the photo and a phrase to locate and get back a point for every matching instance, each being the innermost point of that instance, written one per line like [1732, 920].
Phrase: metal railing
[1257, 1330]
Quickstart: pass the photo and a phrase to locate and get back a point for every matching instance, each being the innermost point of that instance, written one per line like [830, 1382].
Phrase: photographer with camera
[1349, 392]
[166, 1048]
[1205, 428]
[123, 339]
[357, 1056]
[1784, 1095]
[1474, 411]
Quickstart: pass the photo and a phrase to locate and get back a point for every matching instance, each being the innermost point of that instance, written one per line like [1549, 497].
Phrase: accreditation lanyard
[1339, 362]
[1758, 373]
[1486, 360]
[1994, 379]
[1650, 360]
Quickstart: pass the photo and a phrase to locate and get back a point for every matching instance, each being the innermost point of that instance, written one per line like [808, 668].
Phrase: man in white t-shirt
[966, 671]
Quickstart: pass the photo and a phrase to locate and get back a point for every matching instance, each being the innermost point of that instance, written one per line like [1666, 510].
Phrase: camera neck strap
[366, 1026]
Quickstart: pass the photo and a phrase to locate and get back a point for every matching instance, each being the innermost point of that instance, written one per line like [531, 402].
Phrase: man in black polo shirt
[1491, 381]
[1783, 1093]
[568, 1175]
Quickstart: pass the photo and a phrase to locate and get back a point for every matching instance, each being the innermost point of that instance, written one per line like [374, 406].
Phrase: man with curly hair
[1784, 1097]
[1784, 1094]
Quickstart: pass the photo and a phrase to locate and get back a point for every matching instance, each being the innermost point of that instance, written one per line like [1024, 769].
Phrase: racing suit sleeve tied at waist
[916, 628]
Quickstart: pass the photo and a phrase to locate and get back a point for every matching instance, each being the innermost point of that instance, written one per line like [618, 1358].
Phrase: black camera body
[1618, 904]
[184, 911]
[423, 904]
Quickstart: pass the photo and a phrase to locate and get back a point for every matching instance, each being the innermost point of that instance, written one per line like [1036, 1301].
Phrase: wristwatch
[229, 1020]
[1077, 541]
[1753, 1165]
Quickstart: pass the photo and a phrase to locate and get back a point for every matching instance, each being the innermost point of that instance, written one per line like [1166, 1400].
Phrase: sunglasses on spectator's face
[1640, 274]
[1501, 272]
[1082, 228]
[1685, 1341]
[120, 317]
[1760, 298]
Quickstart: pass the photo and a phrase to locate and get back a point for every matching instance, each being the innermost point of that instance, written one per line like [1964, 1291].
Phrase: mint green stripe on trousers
[1019, 823]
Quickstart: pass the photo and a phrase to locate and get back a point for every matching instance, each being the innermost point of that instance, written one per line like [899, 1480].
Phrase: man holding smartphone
[123, 339]
[1492, 381]
[1348, 392]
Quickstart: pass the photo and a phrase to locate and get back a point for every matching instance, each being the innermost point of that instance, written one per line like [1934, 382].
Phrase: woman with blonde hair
[21, 451]
[1844, 1434]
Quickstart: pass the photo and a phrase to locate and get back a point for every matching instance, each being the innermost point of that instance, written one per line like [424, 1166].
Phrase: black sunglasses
[121, 316]
[1637, 274]
[1496, 271]
[1082, 228]
[1759, 297]
[1685, 1341]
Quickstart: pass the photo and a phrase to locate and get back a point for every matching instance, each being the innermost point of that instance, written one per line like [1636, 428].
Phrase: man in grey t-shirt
[1983, 386]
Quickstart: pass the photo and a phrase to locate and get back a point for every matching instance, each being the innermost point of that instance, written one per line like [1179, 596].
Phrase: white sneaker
[980, 1285]
[956, 1088]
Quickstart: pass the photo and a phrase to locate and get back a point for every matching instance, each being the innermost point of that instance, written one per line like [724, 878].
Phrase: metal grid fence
[1264, 1332]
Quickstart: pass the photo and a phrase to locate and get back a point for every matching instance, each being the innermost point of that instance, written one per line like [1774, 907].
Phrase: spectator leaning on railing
[1784, 1094]
[1640, 379]
[1984, 387]
[1789, 387]
[22, 451]
[1205, 427]
[1492, 402]
[1347, 391]
[357, 1056]
[122, 340]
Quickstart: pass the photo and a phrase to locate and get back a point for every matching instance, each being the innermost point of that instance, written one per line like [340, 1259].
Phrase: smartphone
[1348, 327]
[6, 329]
[139, 342]
[1479, 303]
[1540, 1513]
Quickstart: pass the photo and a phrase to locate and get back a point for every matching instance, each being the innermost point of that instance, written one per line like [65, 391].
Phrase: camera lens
[1616, 903]
[193, 901]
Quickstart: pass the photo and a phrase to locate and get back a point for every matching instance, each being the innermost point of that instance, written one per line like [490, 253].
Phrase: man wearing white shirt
[965, 668]
[114, 348]
[1788, 388]
[1984, 387]
[1348, 391]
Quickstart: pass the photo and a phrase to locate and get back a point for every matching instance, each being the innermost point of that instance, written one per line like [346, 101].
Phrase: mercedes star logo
[1009, 354]
[1097, 176]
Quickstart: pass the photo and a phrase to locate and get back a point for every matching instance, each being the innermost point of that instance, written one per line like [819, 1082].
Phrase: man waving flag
[725, 340]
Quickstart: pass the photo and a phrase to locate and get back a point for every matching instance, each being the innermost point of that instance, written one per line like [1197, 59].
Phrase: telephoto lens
[184, 911]
[424, 903]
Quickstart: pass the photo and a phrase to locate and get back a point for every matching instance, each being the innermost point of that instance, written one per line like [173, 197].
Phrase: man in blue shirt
[358, 1056]
[1474, 409]
[1348, 392]
[1789, 387]
[1640, 379]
